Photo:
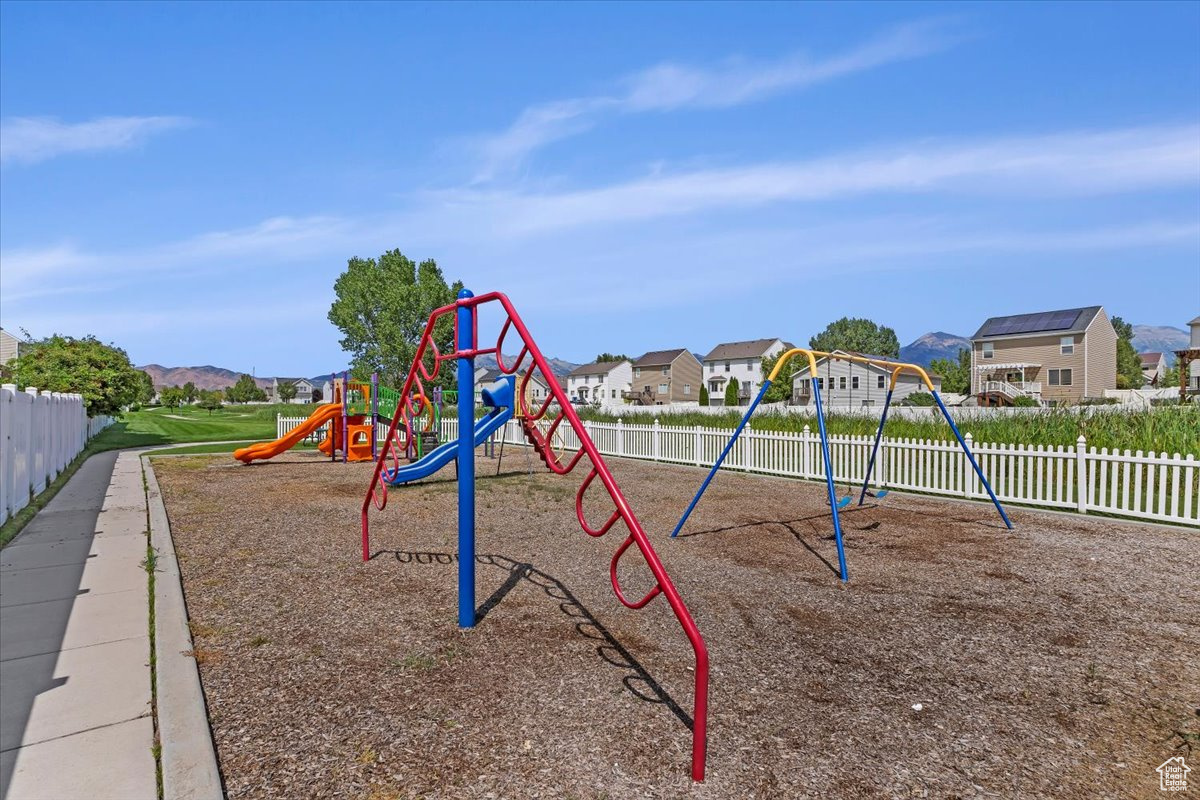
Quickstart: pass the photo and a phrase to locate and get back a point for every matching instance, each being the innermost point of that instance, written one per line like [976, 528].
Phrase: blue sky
[187, 181]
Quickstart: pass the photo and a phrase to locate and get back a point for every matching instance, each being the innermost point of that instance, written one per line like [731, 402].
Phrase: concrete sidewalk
[75, 715]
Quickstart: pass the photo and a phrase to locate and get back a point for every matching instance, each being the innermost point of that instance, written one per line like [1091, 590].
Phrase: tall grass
[1171, 430]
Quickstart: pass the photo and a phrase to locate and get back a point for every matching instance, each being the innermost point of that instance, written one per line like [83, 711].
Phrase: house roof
[1068, 320]
[294, 380]
[1150, 359]
[1196, 321]
[596, 368]
[802, 364]
[659, 357]
[490, 375]
[755, 348]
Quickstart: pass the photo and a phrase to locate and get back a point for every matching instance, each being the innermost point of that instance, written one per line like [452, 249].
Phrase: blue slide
[498, 397]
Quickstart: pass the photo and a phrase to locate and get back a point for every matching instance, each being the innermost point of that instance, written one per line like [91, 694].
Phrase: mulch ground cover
[1060, 659]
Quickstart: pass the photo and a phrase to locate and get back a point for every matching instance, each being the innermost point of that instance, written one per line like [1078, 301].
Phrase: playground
[1054, 659]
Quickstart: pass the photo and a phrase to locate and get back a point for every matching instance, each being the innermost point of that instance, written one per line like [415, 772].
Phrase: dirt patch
[1057, 659]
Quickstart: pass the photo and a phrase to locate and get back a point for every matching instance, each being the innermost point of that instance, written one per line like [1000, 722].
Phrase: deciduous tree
[1129, 364]
[189, 392]
[606, 358]
[859, 336]
[381, 308]
[287, 391]
[955, 373]
[210, 400]
[100, 372]
[781, 387]
[245, 391]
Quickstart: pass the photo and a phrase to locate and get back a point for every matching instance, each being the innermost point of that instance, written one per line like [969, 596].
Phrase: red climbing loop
[541, 442]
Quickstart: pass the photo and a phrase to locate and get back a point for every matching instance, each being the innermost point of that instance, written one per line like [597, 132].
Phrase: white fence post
[620, 437]
[806, 468]
[967, 472]
[1081, 469]
[657, 440]
[748, 448]
[696, 449]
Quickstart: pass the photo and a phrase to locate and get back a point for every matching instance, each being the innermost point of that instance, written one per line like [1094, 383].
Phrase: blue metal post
[833, 502]
[971, 458]
[728, 446]
[875, 448]
[466, 465]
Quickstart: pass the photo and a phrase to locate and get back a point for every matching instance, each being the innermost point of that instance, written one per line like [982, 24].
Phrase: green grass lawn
[163, 426]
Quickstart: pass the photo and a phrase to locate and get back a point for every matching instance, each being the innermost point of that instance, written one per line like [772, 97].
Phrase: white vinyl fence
[1150, 486]
[40, 434]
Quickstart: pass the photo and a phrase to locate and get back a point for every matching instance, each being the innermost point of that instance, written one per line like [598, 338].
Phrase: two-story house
[304, 390]
[601, 382]
[1189, 361]
[1154, 365]
[740, 361]
[666, 376]
[1054, 357]
[846, 383]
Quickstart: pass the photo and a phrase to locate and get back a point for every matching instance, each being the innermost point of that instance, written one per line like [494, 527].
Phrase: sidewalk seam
[72, 649]
[189, 758]
[143, 715]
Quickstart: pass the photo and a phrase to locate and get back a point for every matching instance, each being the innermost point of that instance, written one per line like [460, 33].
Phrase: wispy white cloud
[28, 140]
[669, 87]
[1087, 162]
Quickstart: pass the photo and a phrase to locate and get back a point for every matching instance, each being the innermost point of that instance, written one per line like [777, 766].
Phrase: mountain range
[1160, 339]
[929, 346]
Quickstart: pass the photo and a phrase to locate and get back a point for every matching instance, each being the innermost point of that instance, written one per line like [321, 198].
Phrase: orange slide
[265, 450]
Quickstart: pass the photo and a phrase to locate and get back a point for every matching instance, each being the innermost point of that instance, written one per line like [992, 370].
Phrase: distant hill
[206, 377]
[1160, 339]
[938, 344]
[210, 377]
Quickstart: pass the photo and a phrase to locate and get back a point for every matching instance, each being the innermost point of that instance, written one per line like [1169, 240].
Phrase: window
[1060, 377]
[637, 372]
[988, 350]
[666, 370]
[842, 382]
[821, 384]
[1066, 345]
[687, 388]
[727, 366]
[662, 388]
[879, 381]
[854, 382]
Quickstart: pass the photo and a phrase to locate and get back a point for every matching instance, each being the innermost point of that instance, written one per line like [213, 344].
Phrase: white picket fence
[40, 434]
[1150, 486]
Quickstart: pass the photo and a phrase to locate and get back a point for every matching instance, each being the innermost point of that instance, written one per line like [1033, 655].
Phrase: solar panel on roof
[1031, 323]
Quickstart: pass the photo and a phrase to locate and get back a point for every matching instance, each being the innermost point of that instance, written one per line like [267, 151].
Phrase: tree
[210, 401]
[956, 373]
[1129, 364]
[146, 389]
[381, 308]
[606, 358]
[703, 395]
[287, 392]
[100, 372]
[731, 392]
[189, 392]
[245, 391]
[781, 387]
[858, 336]
[171, 396]
[1169, 378]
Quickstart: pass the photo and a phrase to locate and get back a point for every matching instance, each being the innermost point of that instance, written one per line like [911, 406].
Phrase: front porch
[1002, 384]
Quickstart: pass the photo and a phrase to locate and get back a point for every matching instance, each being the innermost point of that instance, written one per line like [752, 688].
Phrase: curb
[189, 759]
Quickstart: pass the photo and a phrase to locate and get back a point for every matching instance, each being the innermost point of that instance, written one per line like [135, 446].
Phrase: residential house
[741, 361]
[304, 390]
[536, 389]
[601, 382]
[1189, 360]
[666, 376]
[1054, 357]
[10, 346]
[845, 384]
[1154, 365]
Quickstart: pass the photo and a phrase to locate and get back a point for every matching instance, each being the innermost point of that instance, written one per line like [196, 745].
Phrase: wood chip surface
[1060, 659]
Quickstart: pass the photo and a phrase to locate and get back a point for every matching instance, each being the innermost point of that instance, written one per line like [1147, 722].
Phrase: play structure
[896, 369]
[349, 423]
[505, 399]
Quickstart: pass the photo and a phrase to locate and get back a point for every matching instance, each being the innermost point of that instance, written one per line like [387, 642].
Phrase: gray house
[848, 384]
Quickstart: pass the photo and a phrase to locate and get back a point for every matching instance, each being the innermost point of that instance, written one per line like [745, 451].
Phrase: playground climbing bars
[466, 348]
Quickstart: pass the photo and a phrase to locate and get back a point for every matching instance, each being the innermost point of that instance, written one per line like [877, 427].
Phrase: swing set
[896, 369]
